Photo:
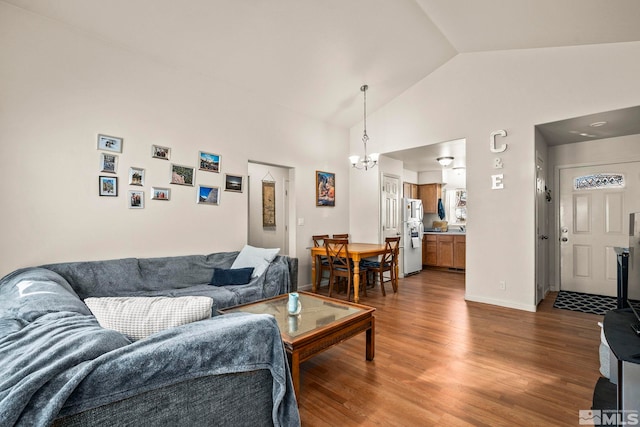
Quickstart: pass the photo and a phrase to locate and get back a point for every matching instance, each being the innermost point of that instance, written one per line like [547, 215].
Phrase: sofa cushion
[232, 276]
[258, 258]
[139, 317]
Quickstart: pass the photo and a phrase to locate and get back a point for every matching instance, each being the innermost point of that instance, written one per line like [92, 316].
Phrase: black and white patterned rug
[586, 303]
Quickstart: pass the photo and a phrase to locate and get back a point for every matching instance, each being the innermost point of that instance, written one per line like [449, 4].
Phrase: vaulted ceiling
[312, 56]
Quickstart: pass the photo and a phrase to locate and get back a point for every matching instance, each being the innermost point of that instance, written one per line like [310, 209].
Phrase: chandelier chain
[365, 137]
[368, 161]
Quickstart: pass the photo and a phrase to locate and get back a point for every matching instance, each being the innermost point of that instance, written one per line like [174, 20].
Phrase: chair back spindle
[339, 262]
[321, 261]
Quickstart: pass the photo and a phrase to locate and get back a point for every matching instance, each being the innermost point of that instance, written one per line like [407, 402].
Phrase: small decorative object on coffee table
[321, 323]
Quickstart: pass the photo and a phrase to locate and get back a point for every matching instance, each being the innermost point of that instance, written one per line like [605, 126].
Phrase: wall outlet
[502, 285]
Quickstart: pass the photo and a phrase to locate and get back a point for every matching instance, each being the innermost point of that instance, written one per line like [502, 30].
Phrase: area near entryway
[618, 154]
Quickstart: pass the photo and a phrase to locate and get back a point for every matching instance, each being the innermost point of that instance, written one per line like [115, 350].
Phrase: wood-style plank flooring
[442, 361]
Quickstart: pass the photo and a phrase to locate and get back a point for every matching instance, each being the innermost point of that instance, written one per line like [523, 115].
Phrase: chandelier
[445, 161]
[367, 161]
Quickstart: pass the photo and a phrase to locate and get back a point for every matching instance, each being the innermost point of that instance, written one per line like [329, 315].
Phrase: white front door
[593, 220]
[390, 215]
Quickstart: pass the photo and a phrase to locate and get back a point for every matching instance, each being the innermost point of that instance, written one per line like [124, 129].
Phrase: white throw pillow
[258, 258]
[139, 317]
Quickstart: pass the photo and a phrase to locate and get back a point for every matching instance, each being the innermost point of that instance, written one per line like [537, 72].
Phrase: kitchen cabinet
[409, 190]
[429, 249]
[444, 250]
[429, 194]
[459, 251]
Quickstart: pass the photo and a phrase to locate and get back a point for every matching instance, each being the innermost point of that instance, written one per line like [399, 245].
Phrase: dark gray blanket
[48, 339]
[56, 360]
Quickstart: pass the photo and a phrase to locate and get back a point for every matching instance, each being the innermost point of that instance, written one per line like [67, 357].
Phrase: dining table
[357, 251]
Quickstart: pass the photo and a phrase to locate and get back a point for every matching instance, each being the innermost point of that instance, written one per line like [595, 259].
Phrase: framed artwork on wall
[158, 152]
[158, 193]
[136, 199]
[110, 143]
[108, 163]
[208, 195]
[136, 176]
[325, 188]
[182, 175]
[268, 204]
[209, 162]
[108, 186]
[233, 183]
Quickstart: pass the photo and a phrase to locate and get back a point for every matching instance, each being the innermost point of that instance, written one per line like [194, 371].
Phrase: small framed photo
[158, 152]
[208, 195]
[110, 143]
[136, 199]
[233, 183]
[136, 176]
[209, 162]
[325, 188]
[108, 186]
[158, 193]
[108, 163]
[182, 175]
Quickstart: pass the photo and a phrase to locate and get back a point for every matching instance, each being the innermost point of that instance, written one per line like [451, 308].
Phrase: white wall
[431, 177]
[600, 152]
[60, 88]
[476, 93]
[409, 176]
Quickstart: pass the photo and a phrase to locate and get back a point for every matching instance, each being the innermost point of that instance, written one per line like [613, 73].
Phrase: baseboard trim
[501, 303]
[307, 287]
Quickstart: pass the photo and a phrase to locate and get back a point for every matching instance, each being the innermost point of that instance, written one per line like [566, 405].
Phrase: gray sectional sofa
[60, 367]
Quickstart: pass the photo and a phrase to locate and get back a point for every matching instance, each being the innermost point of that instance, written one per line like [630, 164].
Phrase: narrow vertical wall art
[268, 203]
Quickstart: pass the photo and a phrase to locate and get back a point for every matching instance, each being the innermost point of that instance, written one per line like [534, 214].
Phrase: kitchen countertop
[450, 233]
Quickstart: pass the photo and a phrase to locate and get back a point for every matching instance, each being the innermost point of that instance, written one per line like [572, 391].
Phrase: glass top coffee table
[322, 323]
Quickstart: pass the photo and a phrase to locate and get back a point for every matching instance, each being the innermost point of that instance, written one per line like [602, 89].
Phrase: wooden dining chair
[387, 263]
[340, 263]
[322, 262]
[341, 236]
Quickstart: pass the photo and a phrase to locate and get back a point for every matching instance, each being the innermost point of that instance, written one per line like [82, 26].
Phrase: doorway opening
[587, 222]
[423, 177]
[270, 207]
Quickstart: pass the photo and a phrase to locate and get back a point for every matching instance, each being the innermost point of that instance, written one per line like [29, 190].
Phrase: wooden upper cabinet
[409, 190]
[429, 194]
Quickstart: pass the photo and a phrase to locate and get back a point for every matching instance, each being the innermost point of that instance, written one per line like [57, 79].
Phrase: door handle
[564, 239]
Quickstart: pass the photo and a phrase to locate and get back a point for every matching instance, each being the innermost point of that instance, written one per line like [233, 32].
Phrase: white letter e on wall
[497, 182]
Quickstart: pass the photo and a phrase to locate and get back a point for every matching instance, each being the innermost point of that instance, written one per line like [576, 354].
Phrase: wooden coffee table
[322, 323]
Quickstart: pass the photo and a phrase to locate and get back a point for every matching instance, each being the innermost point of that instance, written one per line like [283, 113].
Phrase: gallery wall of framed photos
[206, 164]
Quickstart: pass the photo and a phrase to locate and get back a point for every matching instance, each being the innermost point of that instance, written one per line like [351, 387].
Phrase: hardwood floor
[442, 361]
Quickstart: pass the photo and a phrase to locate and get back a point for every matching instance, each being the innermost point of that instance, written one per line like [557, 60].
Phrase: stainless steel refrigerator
[412, 231]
